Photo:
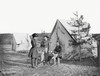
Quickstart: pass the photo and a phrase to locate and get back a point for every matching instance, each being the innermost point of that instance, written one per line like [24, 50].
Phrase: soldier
[57, 52]
[45, 58]
[33, 52]
[33, 43]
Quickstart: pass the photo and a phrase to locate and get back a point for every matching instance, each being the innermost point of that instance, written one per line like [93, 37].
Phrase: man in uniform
[33, 52]
[57, 53]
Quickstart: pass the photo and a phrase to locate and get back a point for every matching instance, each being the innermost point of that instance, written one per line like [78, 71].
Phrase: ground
[18, 64]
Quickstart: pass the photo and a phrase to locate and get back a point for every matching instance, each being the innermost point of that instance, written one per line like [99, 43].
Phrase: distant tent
[60, 33]
[23, 41]
[7, 42]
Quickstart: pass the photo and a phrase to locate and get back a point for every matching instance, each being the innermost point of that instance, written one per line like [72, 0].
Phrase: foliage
[81, 29]
[80, 32]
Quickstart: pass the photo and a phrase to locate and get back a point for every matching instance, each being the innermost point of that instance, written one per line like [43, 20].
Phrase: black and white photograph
[49, 38]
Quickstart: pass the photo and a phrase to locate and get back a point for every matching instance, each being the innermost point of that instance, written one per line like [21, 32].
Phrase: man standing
[33, 52]
[33, 43]
[45, 46]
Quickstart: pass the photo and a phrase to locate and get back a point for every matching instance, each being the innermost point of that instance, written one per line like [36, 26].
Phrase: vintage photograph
[49, 38]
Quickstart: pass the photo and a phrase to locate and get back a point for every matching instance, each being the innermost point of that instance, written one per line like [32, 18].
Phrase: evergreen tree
[80, 32]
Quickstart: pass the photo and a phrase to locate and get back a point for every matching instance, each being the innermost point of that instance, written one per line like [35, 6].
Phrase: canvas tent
[23, 41]
[60, 33]
[7, 42]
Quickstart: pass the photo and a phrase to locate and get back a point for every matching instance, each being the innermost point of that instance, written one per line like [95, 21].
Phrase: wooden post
[98, 58]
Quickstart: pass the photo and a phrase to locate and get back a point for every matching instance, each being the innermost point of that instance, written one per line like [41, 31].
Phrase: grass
[77, 68]
[84, 62]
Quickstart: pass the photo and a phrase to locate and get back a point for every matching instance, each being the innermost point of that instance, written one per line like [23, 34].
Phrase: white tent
[23, 41]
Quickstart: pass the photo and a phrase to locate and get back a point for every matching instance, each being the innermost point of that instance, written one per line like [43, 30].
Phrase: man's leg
[36, 60]
[32, 62]
[55, 58]
[58, 60]
[42, 56]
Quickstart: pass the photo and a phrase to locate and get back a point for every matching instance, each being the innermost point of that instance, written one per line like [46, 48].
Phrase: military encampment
[49, 38]
[63, 51]
[52, 50]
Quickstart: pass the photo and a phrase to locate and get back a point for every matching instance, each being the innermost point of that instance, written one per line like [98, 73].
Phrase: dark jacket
[57, 49]
[33, 43]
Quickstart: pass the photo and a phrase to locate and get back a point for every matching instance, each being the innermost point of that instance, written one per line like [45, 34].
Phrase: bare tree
[27, 40]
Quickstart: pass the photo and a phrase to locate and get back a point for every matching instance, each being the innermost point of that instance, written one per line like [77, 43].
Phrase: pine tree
[81, 31]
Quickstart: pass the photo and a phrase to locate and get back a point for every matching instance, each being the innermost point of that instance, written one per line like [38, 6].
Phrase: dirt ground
[16, 64]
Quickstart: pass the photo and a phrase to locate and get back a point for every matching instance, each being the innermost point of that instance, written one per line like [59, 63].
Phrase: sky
[30, 16]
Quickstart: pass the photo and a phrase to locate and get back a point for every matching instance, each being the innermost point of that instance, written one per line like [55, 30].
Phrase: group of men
[39, 52]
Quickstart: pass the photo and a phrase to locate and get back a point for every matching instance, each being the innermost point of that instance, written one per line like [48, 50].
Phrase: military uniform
[57, 54]
[57, 49]
[33, 43]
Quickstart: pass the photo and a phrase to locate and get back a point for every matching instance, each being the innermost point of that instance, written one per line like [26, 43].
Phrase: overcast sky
[29, 16]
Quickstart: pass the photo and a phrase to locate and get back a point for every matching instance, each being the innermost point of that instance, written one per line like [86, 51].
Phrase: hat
[34, 35]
